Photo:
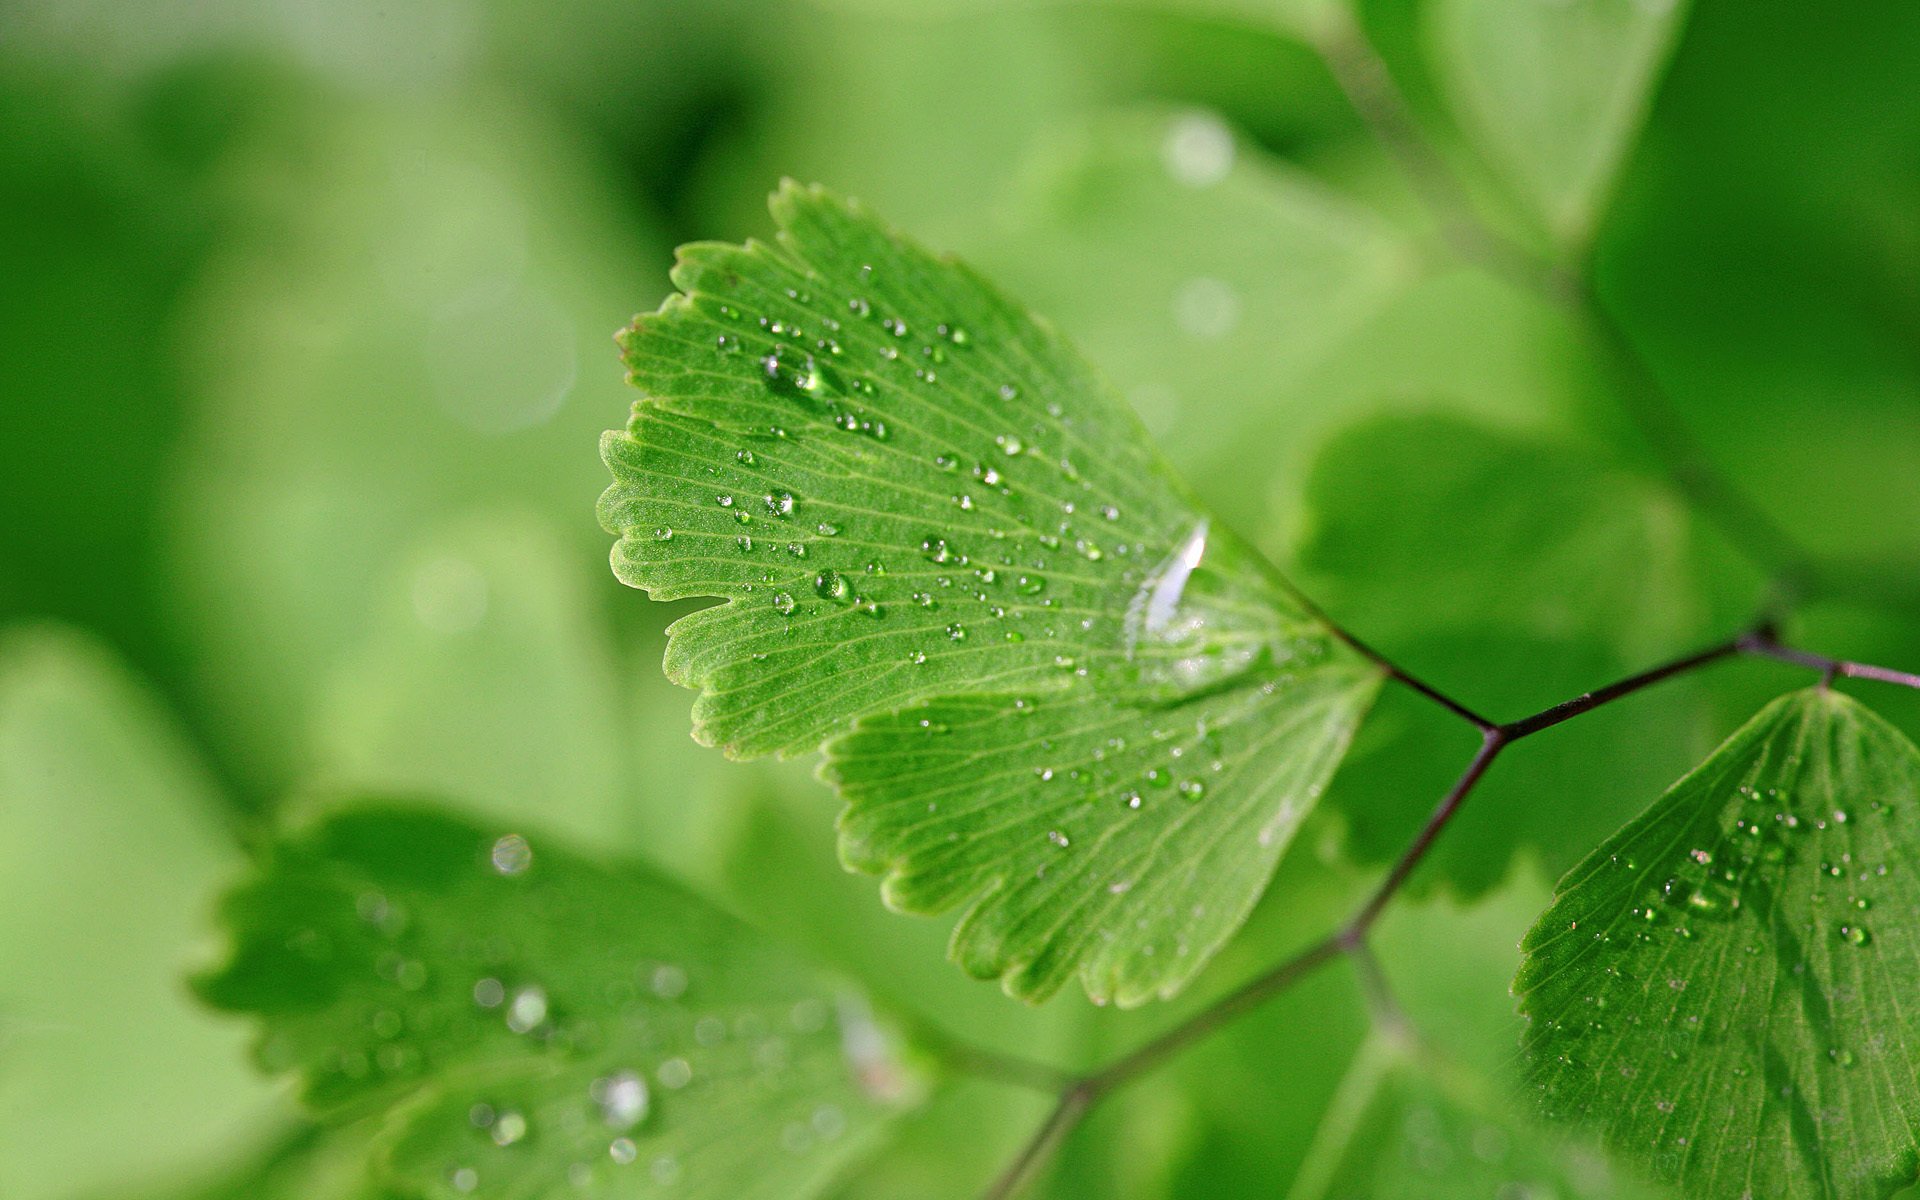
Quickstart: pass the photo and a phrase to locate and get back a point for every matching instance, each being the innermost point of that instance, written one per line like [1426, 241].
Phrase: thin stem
[1568, 709]
[1491, 743]
[1651, 407]
[1388, 1016]
[1765, 647]
[1250, 996]
[1011, 1069]
[1067, 1112]
[1363, 76]
[1408, 679]
[1393, 670]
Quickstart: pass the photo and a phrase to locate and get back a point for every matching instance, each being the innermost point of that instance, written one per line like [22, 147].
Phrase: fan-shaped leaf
[910, 492]
[1722, 987]
[536, 1023]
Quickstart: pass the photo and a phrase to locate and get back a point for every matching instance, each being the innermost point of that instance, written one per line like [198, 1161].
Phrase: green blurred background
[305, 321]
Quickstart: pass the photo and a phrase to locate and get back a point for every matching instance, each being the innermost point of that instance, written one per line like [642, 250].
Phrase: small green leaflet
[110, 843]
[1408, 1124]
[1554, 91]
[535, 1023]
[1721, 988]
[1079, 707]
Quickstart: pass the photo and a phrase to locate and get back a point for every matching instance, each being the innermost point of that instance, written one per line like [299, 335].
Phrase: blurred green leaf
[908, 491]
[1554, 91]
[1420, 522]
[534, 1022]
[486, 677]
[112, 846]
[1209, 280]
[1408, 1125]
[1718, 988]
[406, 325]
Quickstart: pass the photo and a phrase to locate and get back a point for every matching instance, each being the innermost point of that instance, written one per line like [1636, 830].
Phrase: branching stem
[1369, 86]
[1079, 1093]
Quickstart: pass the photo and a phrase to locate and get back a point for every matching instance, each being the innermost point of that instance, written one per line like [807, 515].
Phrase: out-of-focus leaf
[927, 514]
[486, 677]
[534, 1022]
[1424, 522]
[1720, 988]
[1407, 1125]
[409, 324]
[1554, 91]
[111, 846]
[1205, 278]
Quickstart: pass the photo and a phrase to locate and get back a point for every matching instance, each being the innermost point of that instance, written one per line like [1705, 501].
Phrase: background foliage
[304, 349]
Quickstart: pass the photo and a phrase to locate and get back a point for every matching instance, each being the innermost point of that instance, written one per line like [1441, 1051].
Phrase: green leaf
[413, 295]
[111, 847]
[532, 1021]
[1720, 988]
[925, 510]
[1408, 1125]
[1554, 91]
[1420, 522]
[485, 677]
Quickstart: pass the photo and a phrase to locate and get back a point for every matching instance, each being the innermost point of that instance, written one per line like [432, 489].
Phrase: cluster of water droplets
[635, 1040]
[1781, 854]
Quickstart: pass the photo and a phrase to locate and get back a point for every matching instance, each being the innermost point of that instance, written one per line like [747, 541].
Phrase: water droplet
[527, 1009]
[780, 504]
[508, 1128]
[512, 855]
[622, 1150]
[1206, 308]
[663, 533]
[1198, 150]
[1856, 934]
[489, 993]
[783, 603]
[668, 982]
[830, 585]
[622, 1098]
[675, 1073]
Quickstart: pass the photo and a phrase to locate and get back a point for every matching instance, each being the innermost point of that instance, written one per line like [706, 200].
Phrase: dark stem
[1587, 702]
[1763, 646]
[1384, 1006]
[1072, 1105]
[1492, 742]
[1011, 1069]
[1406, 678]
[1247, 998]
